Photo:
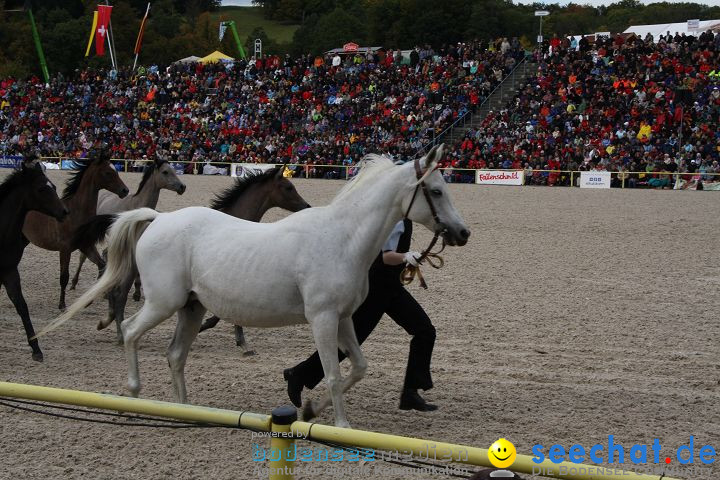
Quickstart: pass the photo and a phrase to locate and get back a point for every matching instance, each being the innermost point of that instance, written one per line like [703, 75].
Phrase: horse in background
[310, 267]
[157, 175]
[25, 190]
[81, 197]
[248, 198]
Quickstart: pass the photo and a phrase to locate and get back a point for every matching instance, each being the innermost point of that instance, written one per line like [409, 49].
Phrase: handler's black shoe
[411, 400]
[294, 388]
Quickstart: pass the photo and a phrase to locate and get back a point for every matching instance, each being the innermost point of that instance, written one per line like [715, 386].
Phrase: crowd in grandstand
[624, 104]
[311, 110]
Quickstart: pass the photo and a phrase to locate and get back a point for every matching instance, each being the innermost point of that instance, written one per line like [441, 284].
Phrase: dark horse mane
[149, 169]
[72, 185]
[229, 196]
[16, 179]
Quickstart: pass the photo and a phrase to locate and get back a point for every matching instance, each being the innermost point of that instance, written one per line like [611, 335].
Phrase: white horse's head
[430, 193]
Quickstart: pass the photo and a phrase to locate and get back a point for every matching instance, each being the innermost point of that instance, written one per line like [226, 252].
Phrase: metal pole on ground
[282, 444]
[177, 411]
[285, 428]
[428, 449]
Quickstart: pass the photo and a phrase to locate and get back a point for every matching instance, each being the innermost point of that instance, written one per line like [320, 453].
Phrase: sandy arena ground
[570, 315]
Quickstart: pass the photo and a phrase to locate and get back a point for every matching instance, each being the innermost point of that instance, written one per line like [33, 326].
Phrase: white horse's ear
[430, 161]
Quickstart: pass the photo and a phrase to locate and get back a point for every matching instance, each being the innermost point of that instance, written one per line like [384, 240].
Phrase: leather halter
[433, 258]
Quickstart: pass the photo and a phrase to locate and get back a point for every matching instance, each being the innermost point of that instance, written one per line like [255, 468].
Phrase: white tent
[673, 28]
[190, 59]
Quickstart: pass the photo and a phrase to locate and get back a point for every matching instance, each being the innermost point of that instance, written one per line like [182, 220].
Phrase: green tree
[330, 31]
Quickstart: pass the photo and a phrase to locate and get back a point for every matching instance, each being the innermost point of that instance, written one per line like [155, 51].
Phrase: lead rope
[408, 274]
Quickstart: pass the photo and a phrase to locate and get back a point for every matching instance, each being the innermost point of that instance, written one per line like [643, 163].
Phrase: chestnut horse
[81, 198]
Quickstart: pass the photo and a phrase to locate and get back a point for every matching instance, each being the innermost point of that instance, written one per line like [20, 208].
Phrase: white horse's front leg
[348, 343]
[325, 332]
[351, 347]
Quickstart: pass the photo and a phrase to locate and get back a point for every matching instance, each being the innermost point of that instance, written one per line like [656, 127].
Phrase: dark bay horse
[25, 190]
[248, 198]
[80, 197]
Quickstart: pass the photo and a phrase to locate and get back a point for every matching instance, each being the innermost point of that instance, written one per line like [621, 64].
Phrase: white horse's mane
[371, 166]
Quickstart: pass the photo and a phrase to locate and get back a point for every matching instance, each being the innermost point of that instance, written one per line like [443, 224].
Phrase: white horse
[310, 267]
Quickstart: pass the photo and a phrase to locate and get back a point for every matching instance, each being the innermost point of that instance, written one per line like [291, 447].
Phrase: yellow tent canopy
[216, 56]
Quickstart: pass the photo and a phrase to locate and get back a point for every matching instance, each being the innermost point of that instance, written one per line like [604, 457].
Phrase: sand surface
[569, 316]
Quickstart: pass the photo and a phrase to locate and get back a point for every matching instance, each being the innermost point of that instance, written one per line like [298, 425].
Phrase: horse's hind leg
[119, 297]
[137, 293]
[239, 335]
[64, 275]
[240, 342]
[210, 323]
[189, 321]
[76, 277]
[94, 256]
[149, 317]
[11, 280]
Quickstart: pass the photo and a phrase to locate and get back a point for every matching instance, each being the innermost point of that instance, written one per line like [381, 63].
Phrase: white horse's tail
[122, 239]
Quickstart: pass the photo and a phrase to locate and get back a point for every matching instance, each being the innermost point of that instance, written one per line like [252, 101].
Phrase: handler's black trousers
[406, 312]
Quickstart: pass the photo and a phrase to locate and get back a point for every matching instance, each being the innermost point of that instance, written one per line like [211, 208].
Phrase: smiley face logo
[502, 453]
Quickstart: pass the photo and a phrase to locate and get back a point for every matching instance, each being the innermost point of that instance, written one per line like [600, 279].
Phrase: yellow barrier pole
[191, 413]
[428, 449]
[282, 444]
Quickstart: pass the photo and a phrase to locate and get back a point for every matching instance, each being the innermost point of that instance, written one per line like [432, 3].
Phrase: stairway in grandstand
[497, 100]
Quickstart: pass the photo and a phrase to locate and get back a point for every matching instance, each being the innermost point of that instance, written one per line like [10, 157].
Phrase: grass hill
[248, 18]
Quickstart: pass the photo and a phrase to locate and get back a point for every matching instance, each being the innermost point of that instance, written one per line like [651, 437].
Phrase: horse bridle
[433, 258]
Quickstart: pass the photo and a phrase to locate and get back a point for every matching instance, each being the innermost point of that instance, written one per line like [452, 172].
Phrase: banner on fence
[69, 165]
[499, 177]
[594, 179]
[10, 161]
[179, 167]
[243, 169]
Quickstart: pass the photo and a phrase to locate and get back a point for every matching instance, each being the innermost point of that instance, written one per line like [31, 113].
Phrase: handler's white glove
[411, 258]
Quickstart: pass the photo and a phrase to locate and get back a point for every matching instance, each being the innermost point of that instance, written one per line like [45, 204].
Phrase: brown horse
[157, 175]
[81, 198]
[25, 190]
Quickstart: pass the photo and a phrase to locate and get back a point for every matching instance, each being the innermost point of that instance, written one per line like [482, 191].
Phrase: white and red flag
[101, 31]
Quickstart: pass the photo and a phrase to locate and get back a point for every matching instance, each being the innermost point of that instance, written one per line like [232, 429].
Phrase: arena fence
[568, 178]
[286, 430]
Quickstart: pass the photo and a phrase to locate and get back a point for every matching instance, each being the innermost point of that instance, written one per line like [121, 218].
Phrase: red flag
[138, 42]
[101, 33]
